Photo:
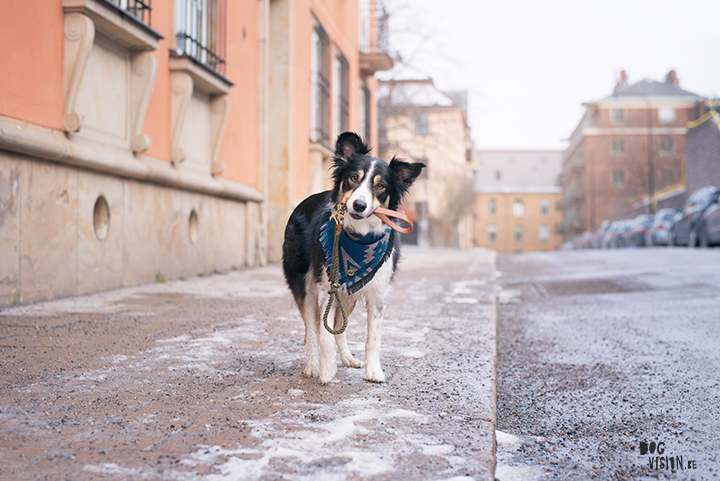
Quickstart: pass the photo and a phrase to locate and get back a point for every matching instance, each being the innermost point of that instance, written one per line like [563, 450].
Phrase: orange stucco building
[158, 139]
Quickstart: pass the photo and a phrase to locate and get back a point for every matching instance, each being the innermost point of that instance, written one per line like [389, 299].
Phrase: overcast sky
[528, 65]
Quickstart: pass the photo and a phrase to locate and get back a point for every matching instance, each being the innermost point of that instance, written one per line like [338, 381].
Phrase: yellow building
[516, 201]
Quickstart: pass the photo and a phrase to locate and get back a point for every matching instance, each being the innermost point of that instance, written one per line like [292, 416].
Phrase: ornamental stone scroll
[79, 38]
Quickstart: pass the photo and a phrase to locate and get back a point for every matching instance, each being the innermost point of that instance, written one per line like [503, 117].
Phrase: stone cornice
[49, 144]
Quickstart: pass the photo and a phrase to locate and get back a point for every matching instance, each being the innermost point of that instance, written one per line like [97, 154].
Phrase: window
[545, 207]
[364, 25]
[618, 178]
[421, 124]
[492, 233]
[667, 177]
[617, 116]
[137, 8]
[364, 111]
[320, 85]
[518, 233]
[492, 207]
[519, 208]
[667, 146]
[666, 115]
[341, 87]
[201, 31]
[544, 233]
[618, 146]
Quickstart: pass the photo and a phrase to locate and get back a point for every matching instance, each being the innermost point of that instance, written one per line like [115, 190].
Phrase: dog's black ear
[349, 143]
[406, 172]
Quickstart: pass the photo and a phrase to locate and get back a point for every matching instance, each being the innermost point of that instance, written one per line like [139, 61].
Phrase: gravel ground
[601, 351]
[202, 379]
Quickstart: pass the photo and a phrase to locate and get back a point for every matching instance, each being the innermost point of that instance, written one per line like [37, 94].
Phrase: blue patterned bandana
[360, 256]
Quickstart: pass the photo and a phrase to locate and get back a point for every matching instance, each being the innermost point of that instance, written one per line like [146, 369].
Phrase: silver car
[658, 233]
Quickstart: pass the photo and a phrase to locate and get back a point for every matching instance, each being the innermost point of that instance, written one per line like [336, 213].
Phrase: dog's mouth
[357, 216]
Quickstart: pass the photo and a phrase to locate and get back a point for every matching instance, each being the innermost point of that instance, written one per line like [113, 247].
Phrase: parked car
[609, 236]
[582, 241]
[659, 229]
[598, 235]
[686, 227]
[617, 234]
[709, 229]
[638, 230]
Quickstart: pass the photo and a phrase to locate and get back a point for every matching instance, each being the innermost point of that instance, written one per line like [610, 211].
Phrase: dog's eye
[354, 177]
[380, 186]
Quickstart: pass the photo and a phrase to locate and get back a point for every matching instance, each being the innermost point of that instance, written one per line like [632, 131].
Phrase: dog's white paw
[375, 375]
[312, 370]
[351, 361]
[326, 378]
[327, 373]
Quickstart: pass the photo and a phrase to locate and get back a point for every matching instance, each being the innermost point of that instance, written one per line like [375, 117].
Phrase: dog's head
[367, 182]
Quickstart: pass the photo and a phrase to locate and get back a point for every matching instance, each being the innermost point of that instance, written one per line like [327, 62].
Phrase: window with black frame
[320, 86]
[365, 110]
[200, 31]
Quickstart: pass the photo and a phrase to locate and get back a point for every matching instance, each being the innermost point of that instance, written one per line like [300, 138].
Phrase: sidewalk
[202, 379]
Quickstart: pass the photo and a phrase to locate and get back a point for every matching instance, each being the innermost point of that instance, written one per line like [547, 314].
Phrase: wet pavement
[202, 379]
[600, 352]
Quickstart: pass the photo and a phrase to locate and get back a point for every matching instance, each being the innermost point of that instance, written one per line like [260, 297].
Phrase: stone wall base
[67, 231]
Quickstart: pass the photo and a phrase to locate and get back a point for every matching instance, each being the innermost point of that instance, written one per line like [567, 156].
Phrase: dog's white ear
[349, 143]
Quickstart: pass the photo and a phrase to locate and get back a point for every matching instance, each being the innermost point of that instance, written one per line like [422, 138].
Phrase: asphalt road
[602, 351]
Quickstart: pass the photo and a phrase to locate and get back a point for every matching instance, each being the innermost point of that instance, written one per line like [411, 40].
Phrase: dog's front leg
[328, 356]
[348, 360]
[310, 314]
[375, 312]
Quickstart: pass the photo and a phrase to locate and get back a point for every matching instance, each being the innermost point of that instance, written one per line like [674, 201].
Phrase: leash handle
[385, 214]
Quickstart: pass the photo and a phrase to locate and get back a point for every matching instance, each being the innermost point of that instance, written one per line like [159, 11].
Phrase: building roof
[711, 116]
[412, 93]
[518, 170]
[401, 71]
[404, 86]
[651, 89]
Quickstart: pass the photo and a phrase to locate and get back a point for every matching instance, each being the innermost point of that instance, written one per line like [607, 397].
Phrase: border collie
[369, 253]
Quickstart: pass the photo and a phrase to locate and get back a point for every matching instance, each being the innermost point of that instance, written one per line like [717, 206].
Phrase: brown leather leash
[385, 214]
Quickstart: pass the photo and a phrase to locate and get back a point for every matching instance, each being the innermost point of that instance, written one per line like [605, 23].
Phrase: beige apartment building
[420, 123]
[143, 141]
[517, 200]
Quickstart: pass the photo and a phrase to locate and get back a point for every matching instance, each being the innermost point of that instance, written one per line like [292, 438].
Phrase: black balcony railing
[139, 9]
[201, 31]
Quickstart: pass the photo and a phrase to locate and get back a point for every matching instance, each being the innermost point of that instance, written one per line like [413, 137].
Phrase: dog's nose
[359, 205]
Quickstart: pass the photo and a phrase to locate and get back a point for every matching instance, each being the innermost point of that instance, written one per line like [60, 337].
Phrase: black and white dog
[369, 253]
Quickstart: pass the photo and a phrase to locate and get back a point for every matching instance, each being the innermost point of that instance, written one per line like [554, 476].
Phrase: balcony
[373, 52]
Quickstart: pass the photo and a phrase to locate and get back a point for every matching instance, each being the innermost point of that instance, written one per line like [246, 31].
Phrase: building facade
[142, 141]
[517, 200]
[419, 123]
[703, 152]
[627, 151]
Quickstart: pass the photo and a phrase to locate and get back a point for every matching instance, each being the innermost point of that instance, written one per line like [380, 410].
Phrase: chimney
[672, 78]
[621, 82]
